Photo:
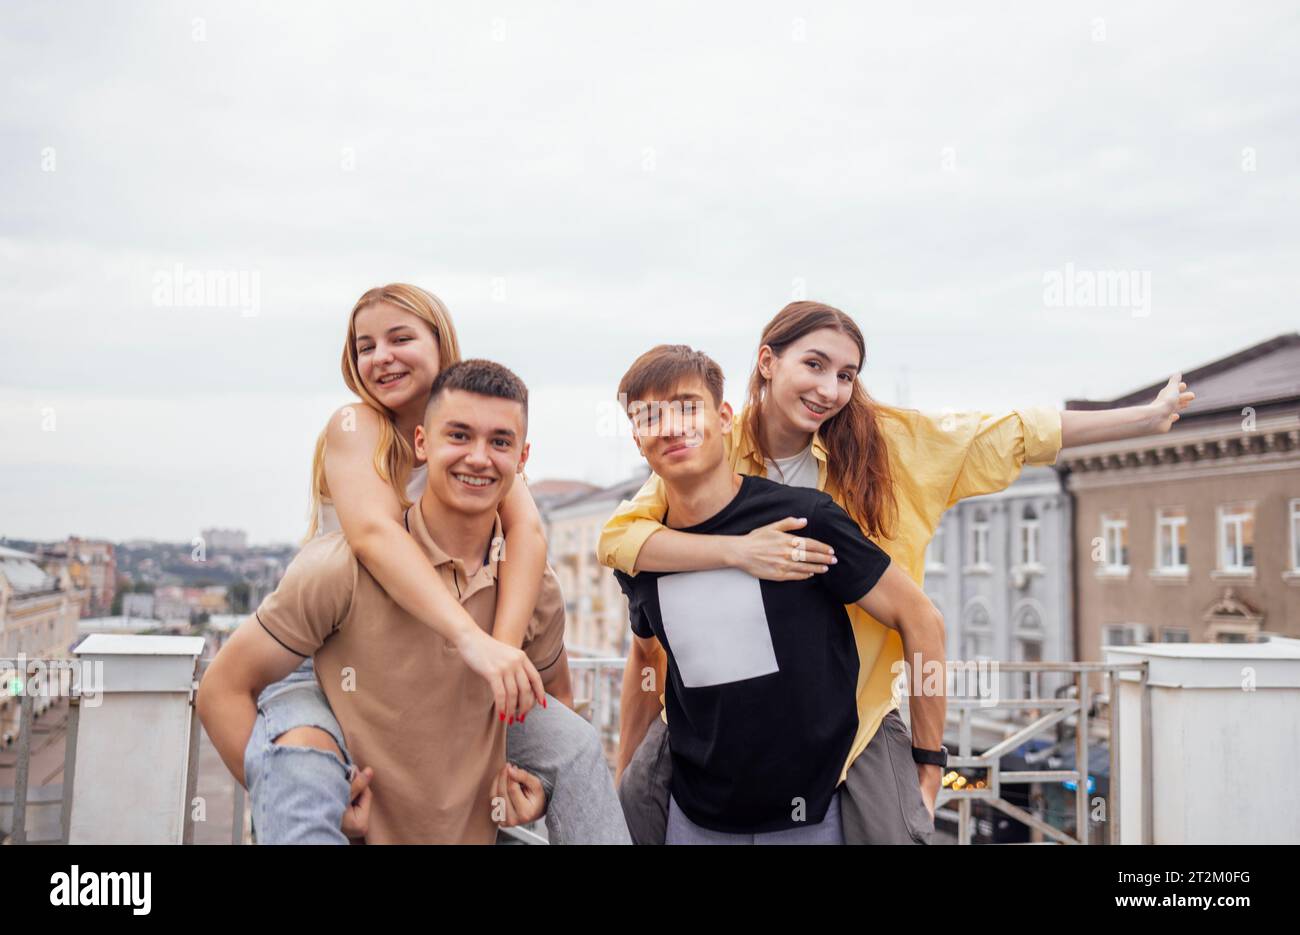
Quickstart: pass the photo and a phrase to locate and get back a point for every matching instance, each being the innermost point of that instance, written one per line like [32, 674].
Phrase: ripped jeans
[298, 794]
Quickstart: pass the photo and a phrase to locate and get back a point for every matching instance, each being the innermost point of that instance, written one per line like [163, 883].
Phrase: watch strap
[931, 757]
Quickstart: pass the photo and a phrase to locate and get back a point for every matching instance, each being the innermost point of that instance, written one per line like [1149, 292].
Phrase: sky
[581, 181]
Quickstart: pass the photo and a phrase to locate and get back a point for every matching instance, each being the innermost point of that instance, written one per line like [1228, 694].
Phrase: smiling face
[680, 434]
[474, 445]
[397, 355]
[812, 379]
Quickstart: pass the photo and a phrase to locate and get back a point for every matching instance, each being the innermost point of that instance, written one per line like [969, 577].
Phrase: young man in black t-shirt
[762, 675]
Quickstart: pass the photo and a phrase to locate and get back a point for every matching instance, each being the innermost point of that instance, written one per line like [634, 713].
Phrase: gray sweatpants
[880, 800]
[563, 750]
[681, 830]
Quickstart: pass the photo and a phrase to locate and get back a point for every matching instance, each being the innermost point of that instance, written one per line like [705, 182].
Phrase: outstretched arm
[1105, 425]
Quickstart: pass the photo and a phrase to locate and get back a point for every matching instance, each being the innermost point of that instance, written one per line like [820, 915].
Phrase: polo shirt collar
[487, 571]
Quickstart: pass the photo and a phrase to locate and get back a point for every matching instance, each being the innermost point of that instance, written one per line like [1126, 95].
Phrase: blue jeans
[298, 794]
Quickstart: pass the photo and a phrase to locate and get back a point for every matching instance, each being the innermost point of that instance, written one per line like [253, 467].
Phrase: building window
[977, 635]
[1123, 634]
[1029, 537]
[1114, 536]
[980, 540]
[976, 645]
[1171, 540]
[1237, 537]
[934, 551]
[1029, 645]
[1175, 635]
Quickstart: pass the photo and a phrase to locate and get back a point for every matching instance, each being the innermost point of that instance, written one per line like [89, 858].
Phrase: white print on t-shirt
[716, 626]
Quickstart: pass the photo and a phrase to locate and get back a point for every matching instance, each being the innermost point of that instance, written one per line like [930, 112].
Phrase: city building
[169, 603]
[137, 605]
[225, 540]
[38, 620]
[92, 565]
[261, 573]
[595, 606]
[1194, 536]
[38, 611]
[998, 569]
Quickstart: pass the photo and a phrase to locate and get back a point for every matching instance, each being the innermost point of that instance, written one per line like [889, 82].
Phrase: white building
[998, 569]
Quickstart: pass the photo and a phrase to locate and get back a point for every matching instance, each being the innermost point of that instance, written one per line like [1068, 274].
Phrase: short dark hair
[659, 370]
[483, 377]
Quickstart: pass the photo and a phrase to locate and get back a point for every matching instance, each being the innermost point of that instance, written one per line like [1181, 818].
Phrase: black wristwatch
[931, 757]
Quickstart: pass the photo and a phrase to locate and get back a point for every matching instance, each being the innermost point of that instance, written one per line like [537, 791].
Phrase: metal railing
[22, 794]
[597, 685]
[1060, 711]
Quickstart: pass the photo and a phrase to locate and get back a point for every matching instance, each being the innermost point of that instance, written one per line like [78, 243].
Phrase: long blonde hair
[393, 456]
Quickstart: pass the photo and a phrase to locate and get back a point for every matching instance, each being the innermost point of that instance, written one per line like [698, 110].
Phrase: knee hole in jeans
[309, 737]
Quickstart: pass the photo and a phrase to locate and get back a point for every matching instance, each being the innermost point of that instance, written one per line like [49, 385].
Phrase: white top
[123, 644]
[795, 471]
[327, 520]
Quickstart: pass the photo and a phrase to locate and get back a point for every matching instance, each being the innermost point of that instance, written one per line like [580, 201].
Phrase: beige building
[595, 607]
[92, 565]
[38, 620]
[1194, 536]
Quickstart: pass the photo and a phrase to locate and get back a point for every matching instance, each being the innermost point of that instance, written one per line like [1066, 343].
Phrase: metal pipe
[23, 766]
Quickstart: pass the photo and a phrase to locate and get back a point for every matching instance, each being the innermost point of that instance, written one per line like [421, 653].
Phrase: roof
[22, 573]
[559, 491]
[622, 490]
[1268, 372]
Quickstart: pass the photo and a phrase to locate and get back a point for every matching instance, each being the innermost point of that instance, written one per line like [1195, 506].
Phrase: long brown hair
[858, 474]
[393, 457]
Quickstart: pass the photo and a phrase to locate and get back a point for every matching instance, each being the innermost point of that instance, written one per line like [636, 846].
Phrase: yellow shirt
[935, 461]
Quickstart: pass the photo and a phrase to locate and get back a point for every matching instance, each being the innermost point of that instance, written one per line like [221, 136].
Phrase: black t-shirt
[762, 675]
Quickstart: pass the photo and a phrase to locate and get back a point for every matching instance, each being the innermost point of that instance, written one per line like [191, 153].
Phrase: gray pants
[563, 750]
[681, 830]
[880, 801]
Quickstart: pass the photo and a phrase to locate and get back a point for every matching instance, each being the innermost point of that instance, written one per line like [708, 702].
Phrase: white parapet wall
[1219, 760]
[133, 741]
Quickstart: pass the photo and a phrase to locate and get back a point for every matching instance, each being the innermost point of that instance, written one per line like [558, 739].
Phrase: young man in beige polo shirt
[411, 711]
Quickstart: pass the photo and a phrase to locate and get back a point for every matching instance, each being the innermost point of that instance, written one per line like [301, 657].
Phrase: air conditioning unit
[1019, 579]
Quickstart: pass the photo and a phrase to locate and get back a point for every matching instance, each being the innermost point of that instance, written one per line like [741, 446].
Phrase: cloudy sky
[581, 181]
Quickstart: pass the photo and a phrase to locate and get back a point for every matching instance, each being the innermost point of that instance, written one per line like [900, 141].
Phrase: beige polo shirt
[409, 706]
